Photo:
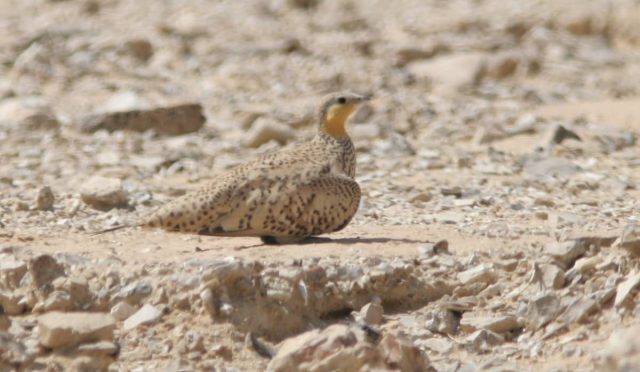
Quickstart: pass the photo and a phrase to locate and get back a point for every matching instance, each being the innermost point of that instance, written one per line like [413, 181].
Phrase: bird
[282, 197]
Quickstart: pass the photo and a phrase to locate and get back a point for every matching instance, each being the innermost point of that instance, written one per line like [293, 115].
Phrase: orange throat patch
[335, 123]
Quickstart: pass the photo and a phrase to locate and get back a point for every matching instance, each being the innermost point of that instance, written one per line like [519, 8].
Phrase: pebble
[44, 269]
[372, 313]
[104, 193]
[625, 288]
[264, 130]
[170, 121]
[122, 310]
[148, 314]
[541, 309]
[45, 199]
[629, 240]
[483, 273]
[56, 329]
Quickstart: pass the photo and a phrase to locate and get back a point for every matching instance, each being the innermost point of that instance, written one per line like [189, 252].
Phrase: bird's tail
[115, 228]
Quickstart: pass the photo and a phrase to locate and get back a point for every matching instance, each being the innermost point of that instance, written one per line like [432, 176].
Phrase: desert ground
[498, 161]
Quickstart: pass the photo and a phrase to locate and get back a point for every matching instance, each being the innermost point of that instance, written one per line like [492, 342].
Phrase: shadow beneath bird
[356, 240]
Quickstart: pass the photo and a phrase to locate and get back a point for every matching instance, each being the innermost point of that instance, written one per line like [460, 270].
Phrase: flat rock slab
[172, 120]
[56, 329]
[148, 314]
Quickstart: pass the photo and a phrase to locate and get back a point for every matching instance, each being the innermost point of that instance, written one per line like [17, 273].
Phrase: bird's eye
[342, 100]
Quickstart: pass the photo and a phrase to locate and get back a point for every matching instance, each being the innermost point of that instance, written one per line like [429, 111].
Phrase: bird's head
[335, 111]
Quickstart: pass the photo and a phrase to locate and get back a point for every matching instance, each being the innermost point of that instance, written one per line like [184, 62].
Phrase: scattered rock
[122, 310]
[134, 293]
[623, 349]
[56, 329]
[625, 288]
[630, 239]
[58, 301]
[11, 303]
[27, 114]
[372, 313]
[483, 273]
[472, 321]
[11, 272]
[578, 311]
[171, 121]
[45, 199]
[104, 193]
[44, 269]
[264, 130]
[140, 49]
[501, 65]
[541, 309]
[148, 314]
[552, 276]
[443, 321]
[450, 73]
[341, 347]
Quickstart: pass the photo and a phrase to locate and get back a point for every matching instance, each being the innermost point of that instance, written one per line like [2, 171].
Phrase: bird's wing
[306, 206]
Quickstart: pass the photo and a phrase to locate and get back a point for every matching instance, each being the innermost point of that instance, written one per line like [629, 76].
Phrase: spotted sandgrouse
[300, 191]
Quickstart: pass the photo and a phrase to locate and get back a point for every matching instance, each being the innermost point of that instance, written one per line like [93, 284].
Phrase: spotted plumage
[300, 191]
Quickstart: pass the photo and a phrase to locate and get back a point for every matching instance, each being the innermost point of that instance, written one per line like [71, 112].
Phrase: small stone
[501, 65]
[483, 273]
[541, 309]
[44, 199]
[552, 276]
[437, 344]
[122, 310]
[98, 348]
[443, 321]
[449, 74]
[134, 292]
[567, 252]
[181, 301]
[170, 121]
[5, 323]
[44, 269]
[148, 314]
[482, 340]
[472, 321]
[208, 301]
[349, 348]
[372, 313]
[578, 311]
[27, 113]
[10, 302]
[223, 352]
[629, 240]
[264, 130]
[58, 301]
[56, 329]
[625, 288]
[11, 272]
[103, 193]
[140, 49]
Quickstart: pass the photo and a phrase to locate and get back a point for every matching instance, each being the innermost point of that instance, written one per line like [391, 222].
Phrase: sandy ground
[465, 141]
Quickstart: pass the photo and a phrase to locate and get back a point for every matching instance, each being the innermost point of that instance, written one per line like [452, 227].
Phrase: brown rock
[472, 321]
[10, 302]
[264, 130]
[140, 49]
[372, 313]
[541, 309]
[44, 269]
[11, 272]
[629, 240]
[172, 121]
[44, 199]
[57, 329]
[552, 276]
[103, 193]
[343, 348]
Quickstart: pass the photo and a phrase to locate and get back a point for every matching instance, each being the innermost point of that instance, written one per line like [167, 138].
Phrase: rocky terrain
[499, 226]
